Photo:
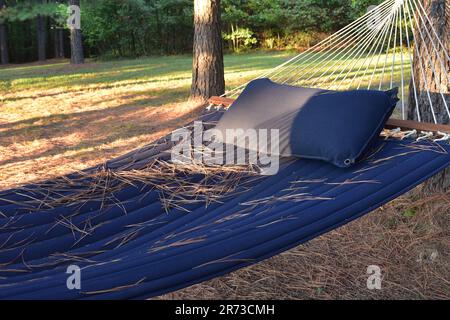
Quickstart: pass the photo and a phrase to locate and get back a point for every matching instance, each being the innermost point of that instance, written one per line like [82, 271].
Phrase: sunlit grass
[153, 69]
[56, 118]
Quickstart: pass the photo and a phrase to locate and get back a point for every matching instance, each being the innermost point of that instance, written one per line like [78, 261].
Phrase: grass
[55, 118]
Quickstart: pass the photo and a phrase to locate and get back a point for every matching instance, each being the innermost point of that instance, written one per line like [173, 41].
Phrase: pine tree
[76, 41]
[208, 70]
[432, 83]
[4, 56]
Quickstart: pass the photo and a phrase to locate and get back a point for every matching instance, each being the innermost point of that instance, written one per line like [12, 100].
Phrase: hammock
[134, 237]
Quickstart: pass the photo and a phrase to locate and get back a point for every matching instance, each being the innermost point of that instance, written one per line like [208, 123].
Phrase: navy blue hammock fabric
[136, 249]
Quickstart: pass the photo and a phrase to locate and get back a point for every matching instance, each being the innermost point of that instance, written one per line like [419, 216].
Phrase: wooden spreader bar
[391, 123]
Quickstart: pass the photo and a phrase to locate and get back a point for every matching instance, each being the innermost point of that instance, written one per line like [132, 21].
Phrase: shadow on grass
[136, 71]
[136, 130]
[105, 125]
[102, 87]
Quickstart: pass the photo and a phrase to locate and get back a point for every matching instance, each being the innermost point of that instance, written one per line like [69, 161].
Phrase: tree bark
[76, 41]
[55, 43]
[4, 56]
[208, 70]
[41, 27]
[432, 83]
[59, 43]
[62, 54]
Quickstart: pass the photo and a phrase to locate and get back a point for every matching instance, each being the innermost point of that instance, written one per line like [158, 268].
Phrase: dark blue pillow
[339, 127]
[336, 127]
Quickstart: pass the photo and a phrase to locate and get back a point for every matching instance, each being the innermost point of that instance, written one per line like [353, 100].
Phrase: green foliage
[137, 27]
[318, 15]
[267, 14]
[241, 39]
[360, 6]
[278, 23]
[233, 12]
[294, 40]
[28, 10]
[130, 28]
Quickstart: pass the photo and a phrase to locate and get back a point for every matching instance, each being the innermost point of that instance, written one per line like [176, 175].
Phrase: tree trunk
[208, 71]
[62, 54]
[59, 43]
[41, 37]
[432, 83]
[4, 57]
[55, 43]
[76, 42]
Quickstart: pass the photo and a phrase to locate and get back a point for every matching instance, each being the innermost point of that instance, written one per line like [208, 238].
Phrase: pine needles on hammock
[178, 185]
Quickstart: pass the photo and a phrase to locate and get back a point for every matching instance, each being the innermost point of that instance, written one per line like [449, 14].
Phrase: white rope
[411, 66]
[409, 134]
[379, 43]
[402, 72]
[431, 40]
[425, 135]
[354, 63]
[422, 68]
[367, 63]
[348, 40]
[361, 45]
[354, 54]
[391, 84]
[359, 54]
[444, 49]
[392, 24]
[313, 54]
[345, 41]
[445, 137]
[279, 69]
